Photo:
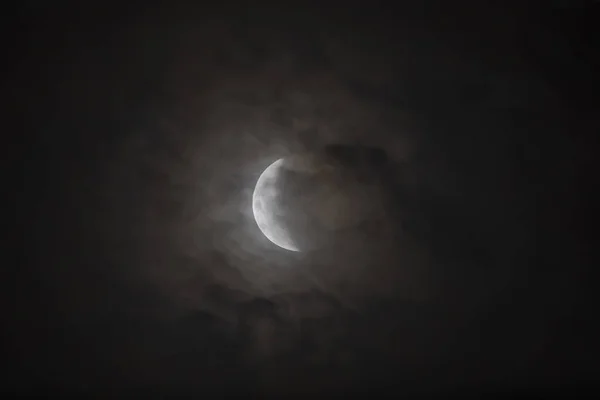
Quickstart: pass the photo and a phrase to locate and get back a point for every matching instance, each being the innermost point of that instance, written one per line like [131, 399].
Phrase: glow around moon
[267, 209]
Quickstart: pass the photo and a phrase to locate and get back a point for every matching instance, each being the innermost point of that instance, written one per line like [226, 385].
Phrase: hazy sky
[147, 131]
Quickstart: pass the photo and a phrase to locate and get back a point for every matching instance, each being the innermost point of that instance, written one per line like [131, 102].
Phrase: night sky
[136, 266]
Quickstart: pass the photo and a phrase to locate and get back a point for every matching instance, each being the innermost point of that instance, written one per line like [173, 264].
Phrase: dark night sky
[141, 132]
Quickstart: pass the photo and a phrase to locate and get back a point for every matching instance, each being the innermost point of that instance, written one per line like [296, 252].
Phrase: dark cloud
[145, 269]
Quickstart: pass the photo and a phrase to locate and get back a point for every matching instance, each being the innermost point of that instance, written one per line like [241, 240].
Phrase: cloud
[172, 136]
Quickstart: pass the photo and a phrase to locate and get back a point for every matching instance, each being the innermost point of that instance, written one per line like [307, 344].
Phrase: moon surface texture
[316, 200]
[267, 208]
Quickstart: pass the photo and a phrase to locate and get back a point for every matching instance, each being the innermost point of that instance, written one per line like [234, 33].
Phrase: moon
[267, 209]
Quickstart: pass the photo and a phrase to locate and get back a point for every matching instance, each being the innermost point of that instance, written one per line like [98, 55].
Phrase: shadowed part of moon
[267, 208]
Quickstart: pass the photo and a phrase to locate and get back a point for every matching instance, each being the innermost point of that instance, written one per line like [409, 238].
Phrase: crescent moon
[266, 209]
